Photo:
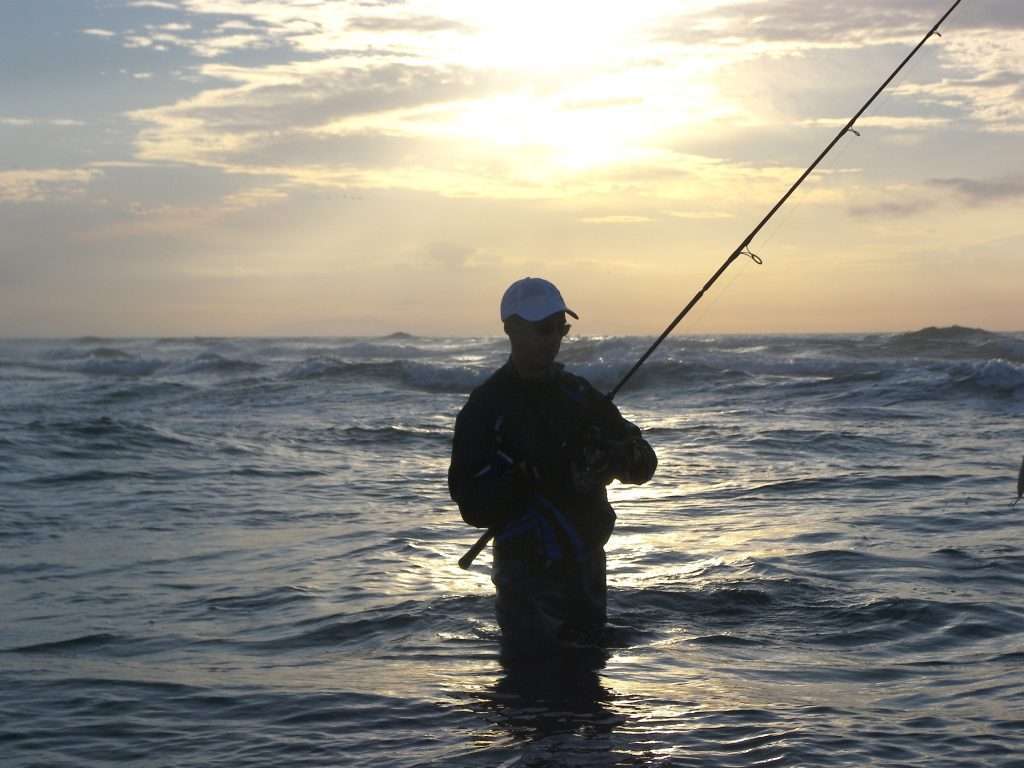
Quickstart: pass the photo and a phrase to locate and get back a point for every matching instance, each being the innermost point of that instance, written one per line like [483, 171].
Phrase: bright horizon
[355, 168]
[498, 335]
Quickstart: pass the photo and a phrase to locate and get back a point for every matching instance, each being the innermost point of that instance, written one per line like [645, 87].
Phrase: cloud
[358, 94]
[616, 219]
[210, 30]
[697, 215]
[304, 27]
[976, 70]
[906, 202]
[978, 192]
[420, 24]
[892, 209]
[883, 121]
[301, 113]
[25, 122]
[449, 256]
[44, 184]
[207, 45]
[993, 97]
[802, 24]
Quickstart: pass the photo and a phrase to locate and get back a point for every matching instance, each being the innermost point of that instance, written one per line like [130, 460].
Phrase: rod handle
[467, 559]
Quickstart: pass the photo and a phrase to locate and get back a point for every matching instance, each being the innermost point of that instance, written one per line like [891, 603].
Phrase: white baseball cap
[533, 299]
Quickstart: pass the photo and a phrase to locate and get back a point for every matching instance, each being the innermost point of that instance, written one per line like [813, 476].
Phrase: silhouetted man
[534, 448]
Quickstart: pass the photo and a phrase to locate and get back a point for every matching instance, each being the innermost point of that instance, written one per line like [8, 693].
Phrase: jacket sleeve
[636, 461]
[481, 479]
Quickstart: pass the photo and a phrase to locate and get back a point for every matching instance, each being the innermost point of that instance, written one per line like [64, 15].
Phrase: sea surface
[241, 552]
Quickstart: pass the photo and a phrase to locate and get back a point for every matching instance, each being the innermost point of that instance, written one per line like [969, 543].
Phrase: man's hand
[525, 476]
[634, 461]
[630, 461]
[597, 465]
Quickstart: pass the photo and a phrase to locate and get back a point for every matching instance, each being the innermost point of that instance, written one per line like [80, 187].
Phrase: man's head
[533, 312]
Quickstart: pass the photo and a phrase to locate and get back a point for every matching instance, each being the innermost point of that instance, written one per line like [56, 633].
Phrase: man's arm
[632, 459]
[485, 482]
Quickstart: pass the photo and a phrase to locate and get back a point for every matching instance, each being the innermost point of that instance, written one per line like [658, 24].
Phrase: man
[533, 451]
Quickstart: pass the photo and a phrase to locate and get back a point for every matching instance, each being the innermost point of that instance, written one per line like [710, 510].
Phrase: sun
[580, 85]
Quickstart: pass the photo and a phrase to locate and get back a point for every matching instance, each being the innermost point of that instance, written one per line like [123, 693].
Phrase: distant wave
[211, 362]
[109, 353]
[994, 376]
[928, 363]
[84, 642]
[98, 361]
[105, 432]
[264, 600]
[708, 371]
[114, 362]
[876, 481]
[363, 350]
[145, 389]
[92, 340]
[85, 476]
[431, 377]
[395, 434]
[658, 374]
[366, 629]
[110, 364]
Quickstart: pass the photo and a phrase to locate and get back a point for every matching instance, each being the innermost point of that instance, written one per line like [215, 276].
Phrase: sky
[361, 167]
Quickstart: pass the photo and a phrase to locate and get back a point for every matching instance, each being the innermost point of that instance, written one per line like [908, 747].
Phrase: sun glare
[547, 37]
[587, 86]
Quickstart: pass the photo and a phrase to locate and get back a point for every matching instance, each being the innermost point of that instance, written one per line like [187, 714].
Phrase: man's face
[535, 345]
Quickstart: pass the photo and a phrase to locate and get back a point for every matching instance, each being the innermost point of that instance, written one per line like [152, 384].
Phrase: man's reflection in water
[540, 700]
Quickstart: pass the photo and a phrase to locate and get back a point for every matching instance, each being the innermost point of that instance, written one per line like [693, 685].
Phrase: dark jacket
[548, 426]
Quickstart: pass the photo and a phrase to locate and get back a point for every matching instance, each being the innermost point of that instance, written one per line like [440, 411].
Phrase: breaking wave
[928, 363]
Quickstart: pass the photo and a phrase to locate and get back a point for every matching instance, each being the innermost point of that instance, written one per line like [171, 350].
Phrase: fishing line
[702, 317]
[744, 248]
[839, 168]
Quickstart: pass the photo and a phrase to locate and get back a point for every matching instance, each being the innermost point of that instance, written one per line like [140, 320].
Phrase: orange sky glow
[294, 167]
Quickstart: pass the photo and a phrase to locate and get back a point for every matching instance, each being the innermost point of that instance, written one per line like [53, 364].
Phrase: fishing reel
[598, 460]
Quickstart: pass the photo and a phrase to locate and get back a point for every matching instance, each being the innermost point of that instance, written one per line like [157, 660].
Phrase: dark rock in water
[953, 334]
[948, 333]
[957, 342]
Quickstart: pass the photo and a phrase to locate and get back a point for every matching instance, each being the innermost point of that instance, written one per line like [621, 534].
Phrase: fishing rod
[744, 249]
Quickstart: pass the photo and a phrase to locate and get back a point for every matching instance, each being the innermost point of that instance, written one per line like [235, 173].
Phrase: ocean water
[240, 552]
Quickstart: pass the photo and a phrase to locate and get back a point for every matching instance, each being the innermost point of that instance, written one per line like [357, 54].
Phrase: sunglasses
[550, 329]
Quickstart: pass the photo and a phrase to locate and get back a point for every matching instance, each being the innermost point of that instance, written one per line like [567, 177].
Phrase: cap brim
[530, 319]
